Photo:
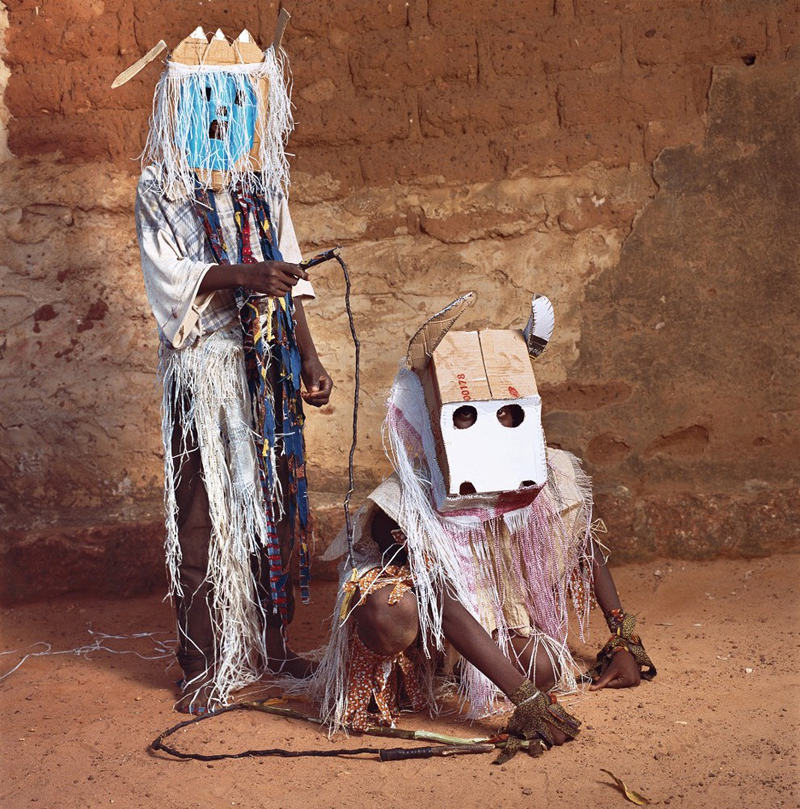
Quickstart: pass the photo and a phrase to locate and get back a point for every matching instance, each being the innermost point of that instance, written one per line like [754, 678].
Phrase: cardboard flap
[458, 368]
[283, 21]
[540, 325]
[478, 366]
[508, 366]
[139, 66]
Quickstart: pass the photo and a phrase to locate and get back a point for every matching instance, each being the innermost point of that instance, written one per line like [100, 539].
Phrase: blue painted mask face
[216, 120]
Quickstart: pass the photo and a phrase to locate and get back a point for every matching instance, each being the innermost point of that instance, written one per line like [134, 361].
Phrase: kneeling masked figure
[479, 512]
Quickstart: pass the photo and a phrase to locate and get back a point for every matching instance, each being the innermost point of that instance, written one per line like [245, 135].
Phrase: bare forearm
[604, 588]
[274, 278]
[308, 351]
[475, 644]
[219, 277]
[618, 663]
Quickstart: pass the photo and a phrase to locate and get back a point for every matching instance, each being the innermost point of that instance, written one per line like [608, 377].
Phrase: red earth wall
[635, 161]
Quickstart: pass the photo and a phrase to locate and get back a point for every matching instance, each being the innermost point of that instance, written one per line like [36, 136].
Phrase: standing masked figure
[481, 539]
[220, 262]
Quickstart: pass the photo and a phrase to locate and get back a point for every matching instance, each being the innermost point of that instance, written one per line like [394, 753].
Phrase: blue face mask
[216, 120]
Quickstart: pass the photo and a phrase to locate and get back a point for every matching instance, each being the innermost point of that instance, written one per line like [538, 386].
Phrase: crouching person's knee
[388, 629]
[546, 671]
[546, 675]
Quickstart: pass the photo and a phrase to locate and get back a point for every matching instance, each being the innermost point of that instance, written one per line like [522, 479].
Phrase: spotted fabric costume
[378, 679]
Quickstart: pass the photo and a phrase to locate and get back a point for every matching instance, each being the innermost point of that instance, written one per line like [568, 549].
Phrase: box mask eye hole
[511, 415]
[238, 99]
[464, 417]
[466, 488]
[208, 94]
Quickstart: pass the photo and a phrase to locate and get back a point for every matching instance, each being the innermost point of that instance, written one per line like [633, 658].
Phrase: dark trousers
[194, 609]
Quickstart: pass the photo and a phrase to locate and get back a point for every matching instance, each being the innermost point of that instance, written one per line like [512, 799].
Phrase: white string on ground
[161, 648]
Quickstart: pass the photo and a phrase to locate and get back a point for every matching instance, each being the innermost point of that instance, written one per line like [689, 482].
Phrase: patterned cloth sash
[278, 413]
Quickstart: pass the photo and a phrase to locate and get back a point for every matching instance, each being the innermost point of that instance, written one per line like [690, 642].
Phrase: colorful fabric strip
[278, 413]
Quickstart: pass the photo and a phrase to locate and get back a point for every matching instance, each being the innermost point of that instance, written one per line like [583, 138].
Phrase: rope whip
[356, 391]
[327, 255]
[446, 745]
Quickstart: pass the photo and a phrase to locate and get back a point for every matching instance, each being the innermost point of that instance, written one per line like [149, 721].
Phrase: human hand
[538, 718]
[317, 383]
[274, 278]
[623, 672]
[543, 718]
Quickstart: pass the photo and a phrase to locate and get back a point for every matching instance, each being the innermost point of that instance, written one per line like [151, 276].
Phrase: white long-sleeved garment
[176, 256]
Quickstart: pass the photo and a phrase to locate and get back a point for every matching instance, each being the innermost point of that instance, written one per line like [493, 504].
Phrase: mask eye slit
[511, 415]
[208, 94]
[464, 417]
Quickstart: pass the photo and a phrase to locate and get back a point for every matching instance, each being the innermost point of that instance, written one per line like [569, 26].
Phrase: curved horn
[433, 330]
[540, 325]
[136, 67]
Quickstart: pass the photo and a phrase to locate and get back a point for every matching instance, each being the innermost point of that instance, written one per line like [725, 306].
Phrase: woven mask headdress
[221, 114]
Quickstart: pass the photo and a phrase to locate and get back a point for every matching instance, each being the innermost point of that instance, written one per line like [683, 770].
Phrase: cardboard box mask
[483, 402]
[221, 114]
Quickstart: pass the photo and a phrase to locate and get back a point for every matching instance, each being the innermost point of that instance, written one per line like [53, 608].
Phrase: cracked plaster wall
[563, 147]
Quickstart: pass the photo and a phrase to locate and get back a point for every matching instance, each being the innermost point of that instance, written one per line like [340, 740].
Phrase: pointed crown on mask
[483, 402]
[221, 114]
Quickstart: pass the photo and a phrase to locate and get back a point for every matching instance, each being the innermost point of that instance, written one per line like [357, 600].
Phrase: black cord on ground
[158, 744]
[382, 753]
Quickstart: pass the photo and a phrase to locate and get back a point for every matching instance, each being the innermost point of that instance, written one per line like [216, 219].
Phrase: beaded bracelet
[622, 637]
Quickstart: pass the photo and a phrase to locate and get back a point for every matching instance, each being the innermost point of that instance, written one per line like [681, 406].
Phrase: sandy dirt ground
[717, 728]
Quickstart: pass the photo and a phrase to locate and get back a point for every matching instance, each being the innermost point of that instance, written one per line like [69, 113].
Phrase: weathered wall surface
[635, 161]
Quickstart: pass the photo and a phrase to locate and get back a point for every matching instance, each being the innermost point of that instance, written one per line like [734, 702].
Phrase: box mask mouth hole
[217, 129]
[464, 417]
[510, 415]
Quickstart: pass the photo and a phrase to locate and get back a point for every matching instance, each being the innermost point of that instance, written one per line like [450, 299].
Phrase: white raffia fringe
[273, 125]
[205, 392]
[511, 570]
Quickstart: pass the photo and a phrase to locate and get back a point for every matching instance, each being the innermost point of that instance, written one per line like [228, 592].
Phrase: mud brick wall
[635, 160]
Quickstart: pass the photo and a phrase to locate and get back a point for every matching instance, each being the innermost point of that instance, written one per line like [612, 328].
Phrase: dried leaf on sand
[633, 797]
